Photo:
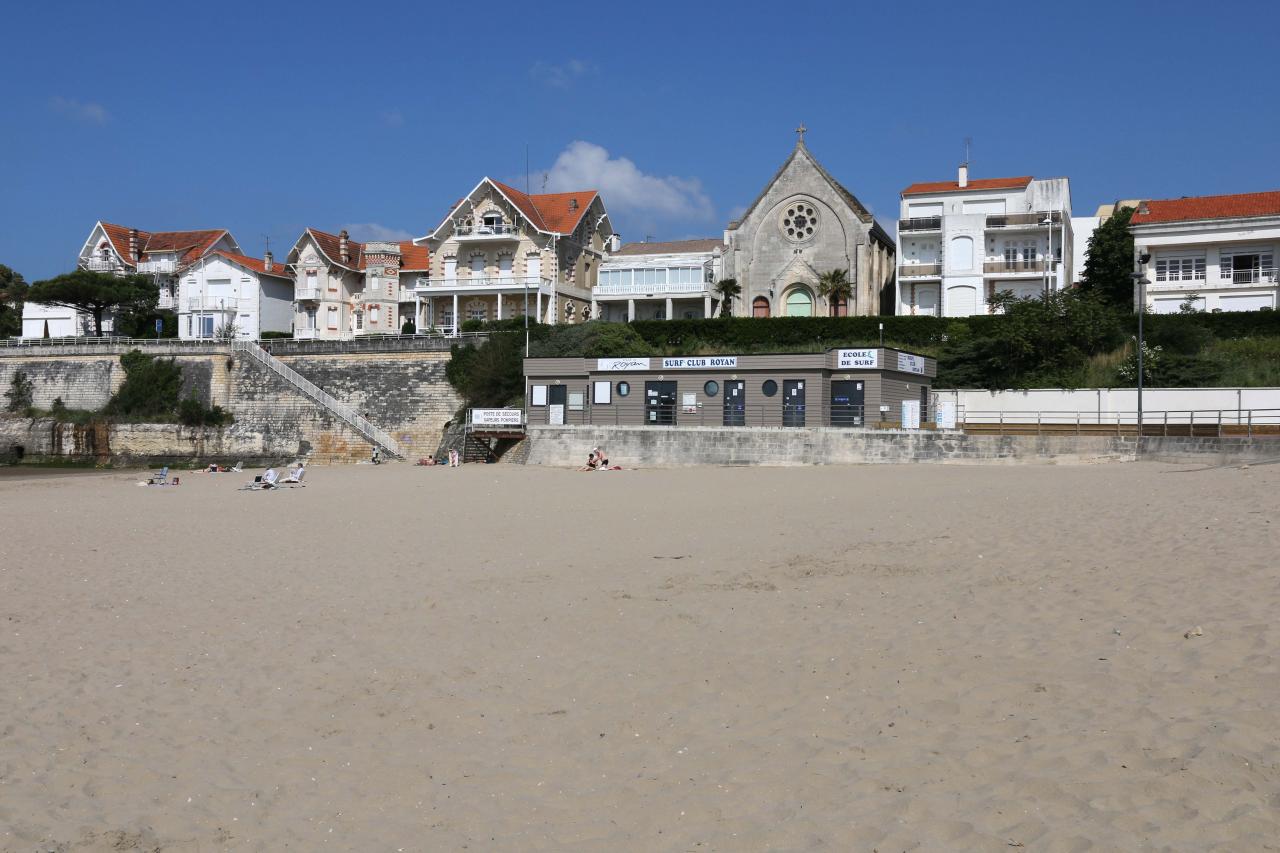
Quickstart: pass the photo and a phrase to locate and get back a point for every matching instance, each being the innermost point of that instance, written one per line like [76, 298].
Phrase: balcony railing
[100, 264]
[649, 289]
[405, 294]
[481, 231]
[305, 334]
[1025, 220]
[1008, 267]
[920, 270]
[167, 302]
[1265, 275]
[532, 282]
[162, 265]
[307, 294]
[920, 223]
[209, 303]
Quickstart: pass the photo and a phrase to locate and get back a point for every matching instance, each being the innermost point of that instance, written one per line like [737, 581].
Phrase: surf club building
[849, 388]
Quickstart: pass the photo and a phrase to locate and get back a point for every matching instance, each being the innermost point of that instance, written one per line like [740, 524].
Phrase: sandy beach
[499, 658]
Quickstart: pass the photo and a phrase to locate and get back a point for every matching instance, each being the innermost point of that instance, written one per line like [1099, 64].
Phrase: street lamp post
[1140, 279]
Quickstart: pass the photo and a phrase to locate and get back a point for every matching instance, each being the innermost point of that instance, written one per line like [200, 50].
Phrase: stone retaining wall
[679, 446]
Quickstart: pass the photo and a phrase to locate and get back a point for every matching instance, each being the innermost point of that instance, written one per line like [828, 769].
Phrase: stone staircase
[327, 401]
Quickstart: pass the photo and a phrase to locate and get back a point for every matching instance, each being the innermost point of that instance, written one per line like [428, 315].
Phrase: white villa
[961, 242]
[223, 290]
[1218, 251]
[344, 288]
[659, 281]
[500, 248]
[116, 249]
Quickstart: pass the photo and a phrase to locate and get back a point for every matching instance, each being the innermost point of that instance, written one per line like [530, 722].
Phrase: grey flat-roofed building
[837, 388]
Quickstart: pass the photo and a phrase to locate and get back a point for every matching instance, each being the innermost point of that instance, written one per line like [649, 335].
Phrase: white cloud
[365, 231]
[560, 76]
[86, 111]
[626, 189]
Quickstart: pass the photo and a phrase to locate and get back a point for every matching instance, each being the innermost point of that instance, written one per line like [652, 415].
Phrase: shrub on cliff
[21, 392]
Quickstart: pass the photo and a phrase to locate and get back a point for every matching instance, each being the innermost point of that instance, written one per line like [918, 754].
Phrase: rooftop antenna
[266, 238]
[527, 191]
[968, 143]
[545, 176]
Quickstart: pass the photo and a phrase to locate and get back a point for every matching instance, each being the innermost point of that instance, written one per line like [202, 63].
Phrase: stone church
[802, 225]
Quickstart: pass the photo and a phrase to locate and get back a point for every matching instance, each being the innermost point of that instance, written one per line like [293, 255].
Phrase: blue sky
[265, 118]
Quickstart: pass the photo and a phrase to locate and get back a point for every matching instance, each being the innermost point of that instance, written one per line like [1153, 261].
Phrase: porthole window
[769, 388]
[712, 388]
[799, 221]
[624, 388]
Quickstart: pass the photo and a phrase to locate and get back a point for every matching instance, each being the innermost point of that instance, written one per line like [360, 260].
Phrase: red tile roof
[412, 258]
[977, 184]
[258, 265]
[1209, 207]
[189, 244]
[551, 211]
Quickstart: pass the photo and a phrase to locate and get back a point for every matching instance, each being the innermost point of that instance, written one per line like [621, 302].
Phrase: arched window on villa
[760, 307]
[800, 302]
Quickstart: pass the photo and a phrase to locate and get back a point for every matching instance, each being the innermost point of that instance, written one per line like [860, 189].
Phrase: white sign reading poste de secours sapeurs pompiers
[697, 362]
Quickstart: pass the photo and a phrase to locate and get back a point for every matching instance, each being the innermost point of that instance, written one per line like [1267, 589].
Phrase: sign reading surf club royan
[616, 364]
[854, 359]
[700, 362]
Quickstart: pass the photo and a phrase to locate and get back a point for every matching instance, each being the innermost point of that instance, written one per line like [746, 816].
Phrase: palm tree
[835, 287]
[727, 289]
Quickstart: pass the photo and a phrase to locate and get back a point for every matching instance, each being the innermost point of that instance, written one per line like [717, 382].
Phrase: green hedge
[750, 333]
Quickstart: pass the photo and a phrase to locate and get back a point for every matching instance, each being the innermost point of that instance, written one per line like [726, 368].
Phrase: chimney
[344, 254]
[964, 175]
[133, 245]
[267, 260]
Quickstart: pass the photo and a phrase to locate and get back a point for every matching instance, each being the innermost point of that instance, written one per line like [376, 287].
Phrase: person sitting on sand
[591, 462]
[269, 478]
[602, 461]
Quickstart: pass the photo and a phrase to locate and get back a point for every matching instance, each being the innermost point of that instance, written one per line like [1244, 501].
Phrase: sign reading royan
[909, 363]
[615, 364]
[852, 359]
[700, 362]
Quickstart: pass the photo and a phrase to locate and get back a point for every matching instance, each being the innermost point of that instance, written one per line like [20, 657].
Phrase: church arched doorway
[760, 307]
[799, 301]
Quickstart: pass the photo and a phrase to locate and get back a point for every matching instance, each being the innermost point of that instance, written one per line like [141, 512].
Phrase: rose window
[799, 221]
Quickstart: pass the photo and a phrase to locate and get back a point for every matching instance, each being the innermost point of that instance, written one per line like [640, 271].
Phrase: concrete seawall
[680, 446]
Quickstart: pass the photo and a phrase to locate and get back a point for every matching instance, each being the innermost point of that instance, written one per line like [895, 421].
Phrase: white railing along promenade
[1194, 422]
[650, 289]
[315, 392]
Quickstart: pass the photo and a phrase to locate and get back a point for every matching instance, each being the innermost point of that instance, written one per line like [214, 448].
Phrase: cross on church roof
[800, 131]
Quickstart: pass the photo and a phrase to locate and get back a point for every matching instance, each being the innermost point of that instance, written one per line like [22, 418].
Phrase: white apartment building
[1218, 251]
[500, 249]
[659, 281]
[344, 288]
[119, 250]
[225, 292]
[961, 242]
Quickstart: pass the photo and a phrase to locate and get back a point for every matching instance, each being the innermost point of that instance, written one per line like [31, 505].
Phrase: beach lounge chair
[295, 477]
[161, 478]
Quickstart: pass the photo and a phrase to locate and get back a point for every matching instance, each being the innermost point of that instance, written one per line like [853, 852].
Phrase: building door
[847, 399]
[557, 397]
[660, 403]
[924, 403]
[735, 403]
[793, 402]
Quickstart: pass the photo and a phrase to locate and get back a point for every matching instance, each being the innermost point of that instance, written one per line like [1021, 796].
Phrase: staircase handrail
[324, 398]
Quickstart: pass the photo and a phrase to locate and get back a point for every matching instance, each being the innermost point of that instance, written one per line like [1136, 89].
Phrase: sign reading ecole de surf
[853, 359]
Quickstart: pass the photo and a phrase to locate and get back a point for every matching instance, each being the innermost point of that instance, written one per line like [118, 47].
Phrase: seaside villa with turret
[500, 249]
